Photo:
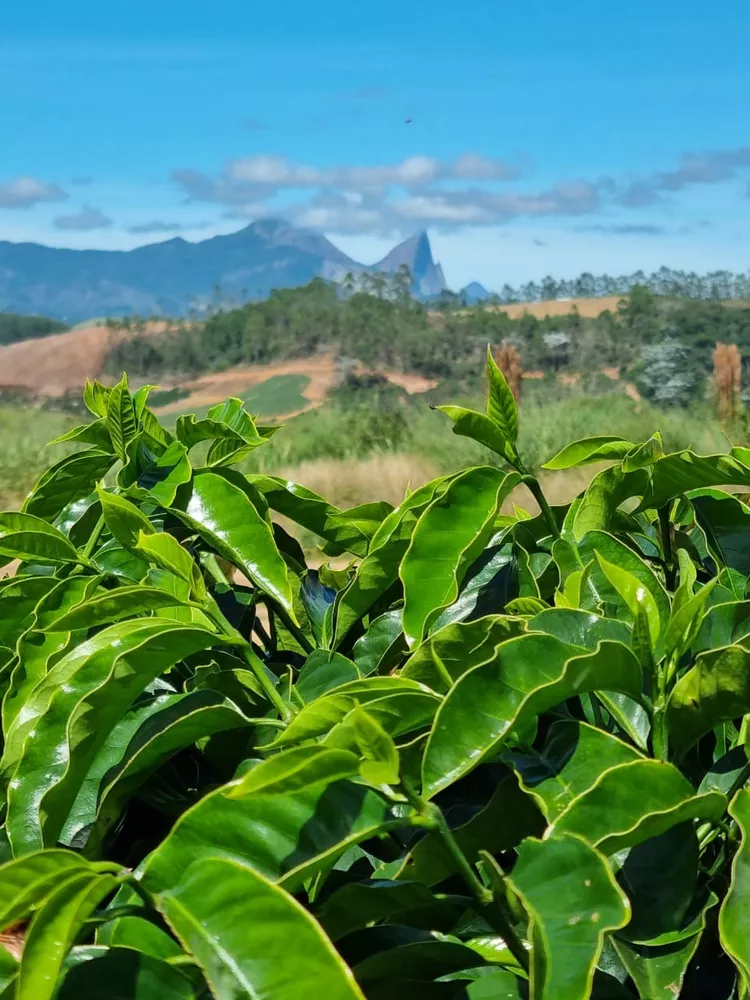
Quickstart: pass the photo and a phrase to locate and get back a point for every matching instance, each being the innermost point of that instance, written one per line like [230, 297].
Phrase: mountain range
[171, 277]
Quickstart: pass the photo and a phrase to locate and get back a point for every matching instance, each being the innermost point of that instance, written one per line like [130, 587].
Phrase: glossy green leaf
[420, 960]
[362, 904]
[579, 628]
[26, 882]
[42, 646]
[447, 654]
[598, 545]
[124, 602]
[69, 716]
[448, 537]
[685, 622]
[379, 569]
[181, 721]
[20, 596]
[54, 929]
[121, 419]
[734, 916]
[126, 974]
[492, 582]
[634, 801]
[240, 927]
[598, 508]
[286, 837]
[573, 758]
[222, 510]
[137, 934]
[382, 641]
[322, 672]
[29, 538]
[528, 675]
[723, 625]
[71, 478]
[95, 396]
[313, 512]
[296, 769]
[414, 701]
[715, 689]
[660, 877]
[480, 428]
[603, 448]
[726, 521]
[574, 902]
[676, 474]
[94, 433]
[658, 970]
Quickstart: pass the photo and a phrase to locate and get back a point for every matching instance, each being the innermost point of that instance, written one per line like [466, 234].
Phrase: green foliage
[14, 327]
[497, 756]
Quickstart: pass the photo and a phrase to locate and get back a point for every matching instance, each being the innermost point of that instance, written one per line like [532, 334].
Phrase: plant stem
[250, 657]
[536, 491]
[295, 630]
[491, 906]
[665, 529]
[93, 538]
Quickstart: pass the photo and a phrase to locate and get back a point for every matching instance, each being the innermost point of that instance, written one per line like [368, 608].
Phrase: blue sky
[543, 137]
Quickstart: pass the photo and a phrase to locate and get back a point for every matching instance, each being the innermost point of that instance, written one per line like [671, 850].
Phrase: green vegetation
[14, 327]
[663, 344]
[278, 395]
[499, 755]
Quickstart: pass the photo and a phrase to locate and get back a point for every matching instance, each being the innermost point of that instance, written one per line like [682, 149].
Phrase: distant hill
[474, 292]
[172, 277]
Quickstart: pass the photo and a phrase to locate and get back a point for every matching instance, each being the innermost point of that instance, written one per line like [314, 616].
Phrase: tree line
[664, 344]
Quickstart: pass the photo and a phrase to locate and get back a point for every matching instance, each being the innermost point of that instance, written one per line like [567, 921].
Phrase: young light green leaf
[380, 764]
[123, 519]
[527, 676]
[637, 597]
[480, 428]
[603, 448]
[124, 602]
[643, 455]
[121, 418]
[295, 769]
[574, 902]
[501, 404]
[408, 705]
[448, 537]
[166, 552]
[239, 926]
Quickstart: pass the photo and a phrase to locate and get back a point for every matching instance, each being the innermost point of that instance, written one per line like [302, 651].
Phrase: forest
[663, 342]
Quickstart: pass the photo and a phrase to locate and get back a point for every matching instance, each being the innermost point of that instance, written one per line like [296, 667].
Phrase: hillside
[173, 277]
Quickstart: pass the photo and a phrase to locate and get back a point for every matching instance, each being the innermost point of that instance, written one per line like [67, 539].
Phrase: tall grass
[24, 434]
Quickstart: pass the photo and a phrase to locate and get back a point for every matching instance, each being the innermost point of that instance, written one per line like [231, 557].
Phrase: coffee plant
[497, 756]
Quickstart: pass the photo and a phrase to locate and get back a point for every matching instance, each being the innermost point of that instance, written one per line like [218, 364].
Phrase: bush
[497, 756]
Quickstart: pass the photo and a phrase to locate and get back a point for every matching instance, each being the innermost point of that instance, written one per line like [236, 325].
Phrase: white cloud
[24, 192]
[88, 218]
